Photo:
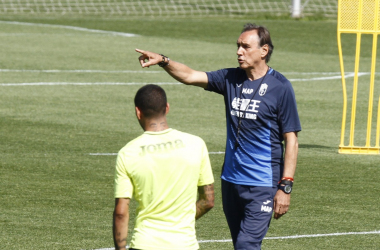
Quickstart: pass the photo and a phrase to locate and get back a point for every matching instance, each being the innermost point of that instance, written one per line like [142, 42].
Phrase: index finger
[140, 51]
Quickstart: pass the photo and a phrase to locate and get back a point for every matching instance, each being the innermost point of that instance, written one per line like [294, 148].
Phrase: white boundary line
[111, 154]
[102, 154]
[160, 71]
[78, 71]
[83, 83]
[348, 75]
[321, 235]
[285, 237]
[114, 33]
[333, 77]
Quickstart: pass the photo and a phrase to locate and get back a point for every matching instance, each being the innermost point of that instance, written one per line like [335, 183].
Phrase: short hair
[151, 100]
[264, 37]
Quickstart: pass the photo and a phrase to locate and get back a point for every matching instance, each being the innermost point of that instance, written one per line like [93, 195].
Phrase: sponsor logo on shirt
[250, 108]
[161, 147]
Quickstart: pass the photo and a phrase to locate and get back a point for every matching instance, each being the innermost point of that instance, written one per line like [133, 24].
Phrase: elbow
[296, 144]
[119, 216]
[209, 204]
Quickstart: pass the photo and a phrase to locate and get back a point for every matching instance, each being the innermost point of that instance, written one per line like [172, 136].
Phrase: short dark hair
[264, 37]
[151, 100]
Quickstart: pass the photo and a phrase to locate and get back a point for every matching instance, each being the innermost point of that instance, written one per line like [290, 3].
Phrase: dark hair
[264, 37]
[151, 100]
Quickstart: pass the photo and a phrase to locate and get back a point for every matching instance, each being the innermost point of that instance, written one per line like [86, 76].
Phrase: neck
[257, 72]
[155, 125]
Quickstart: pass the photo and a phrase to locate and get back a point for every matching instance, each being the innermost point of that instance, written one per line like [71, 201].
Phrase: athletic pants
[248, 210]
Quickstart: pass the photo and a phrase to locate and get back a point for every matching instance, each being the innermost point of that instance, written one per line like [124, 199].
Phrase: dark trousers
[248, 210]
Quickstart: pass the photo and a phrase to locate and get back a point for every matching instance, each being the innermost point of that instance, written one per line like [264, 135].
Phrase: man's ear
[167, 108]
[138, 113]
[264, 50]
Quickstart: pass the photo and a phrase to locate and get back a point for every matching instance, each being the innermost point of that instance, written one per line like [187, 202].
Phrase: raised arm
[178, 71]
[120, 223]
[282, 200]
[205, 200]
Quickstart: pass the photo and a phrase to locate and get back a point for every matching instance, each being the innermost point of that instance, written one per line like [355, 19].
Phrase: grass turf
[55, 195]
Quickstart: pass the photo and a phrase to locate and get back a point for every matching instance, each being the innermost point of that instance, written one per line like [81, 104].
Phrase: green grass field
[67, 94]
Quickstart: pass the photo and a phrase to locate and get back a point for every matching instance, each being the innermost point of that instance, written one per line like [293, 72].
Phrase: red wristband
[287, 178]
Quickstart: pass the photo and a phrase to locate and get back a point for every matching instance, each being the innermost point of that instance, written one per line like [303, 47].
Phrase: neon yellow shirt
[162, 171]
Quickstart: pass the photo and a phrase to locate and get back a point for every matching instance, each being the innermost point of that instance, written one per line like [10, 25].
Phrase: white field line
[79, 71]
[285, 237]
[300, 236]
[333, 75]
[348, 75]
[321, 235]
[330, 75]
[83, 83]
[110, 154]
[114, 33]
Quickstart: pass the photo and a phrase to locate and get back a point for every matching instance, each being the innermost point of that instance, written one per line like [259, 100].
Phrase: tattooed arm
[205, 201]
[120, 223]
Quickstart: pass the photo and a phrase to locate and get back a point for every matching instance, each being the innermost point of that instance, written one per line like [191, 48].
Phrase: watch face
[288, 189]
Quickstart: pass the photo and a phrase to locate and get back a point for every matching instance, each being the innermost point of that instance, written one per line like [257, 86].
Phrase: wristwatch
[165, 61]
[286, 186]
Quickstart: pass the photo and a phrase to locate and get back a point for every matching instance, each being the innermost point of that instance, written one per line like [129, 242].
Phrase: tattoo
[205, 201]
[120, 243]
[120, 222]
[157, 126]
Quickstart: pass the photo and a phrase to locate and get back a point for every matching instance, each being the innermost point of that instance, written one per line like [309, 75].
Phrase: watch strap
[165, 61]
[286, 182]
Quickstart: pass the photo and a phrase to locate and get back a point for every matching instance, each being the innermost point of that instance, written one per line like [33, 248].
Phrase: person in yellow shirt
[164, 170]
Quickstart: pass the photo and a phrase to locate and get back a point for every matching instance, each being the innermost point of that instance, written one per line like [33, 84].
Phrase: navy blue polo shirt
[267, 109]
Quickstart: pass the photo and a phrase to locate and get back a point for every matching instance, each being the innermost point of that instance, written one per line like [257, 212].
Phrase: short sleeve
[205, 176]
[216, 81]
[123, 184]
[289, 118]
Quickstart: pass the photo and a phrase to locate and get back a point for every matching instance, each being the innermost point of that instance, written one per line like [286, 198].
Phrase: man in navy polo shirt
[261, 114]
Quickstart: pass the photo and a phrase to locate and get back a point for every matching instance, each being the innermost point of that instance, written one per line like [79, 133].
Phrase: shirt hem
[253, 184]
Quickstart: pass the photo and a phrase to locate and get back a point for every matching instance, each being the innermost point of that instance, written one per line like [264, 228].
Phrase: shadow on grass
[311, 146]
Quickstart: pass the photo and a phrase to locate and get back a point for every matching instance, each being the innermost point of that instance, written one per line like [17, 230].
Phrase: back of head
[264, 37]
[151, 100]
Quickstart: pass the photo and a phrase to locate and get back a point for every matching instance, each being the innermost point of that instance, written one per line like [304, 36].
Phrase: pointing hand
[148, 58]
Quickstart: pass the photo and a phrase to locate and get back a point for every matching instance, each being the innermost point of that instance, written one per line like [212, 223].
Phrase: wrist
[286, 185]
[287, 178]
[165, 61]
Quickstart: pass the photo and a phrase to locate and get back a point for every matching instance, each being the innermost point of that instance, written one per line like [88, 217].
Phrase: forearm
[186, 75]
[282, 199]
[120, 232]
[291, 153]
[205, 201]
[202, 208]
[120, 223]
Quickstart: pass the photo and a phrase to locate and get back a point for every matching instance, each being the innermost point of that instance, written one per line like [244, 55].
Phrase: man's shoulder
[187, 136]
[278, 77]
[131, 145]
[226, 71]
